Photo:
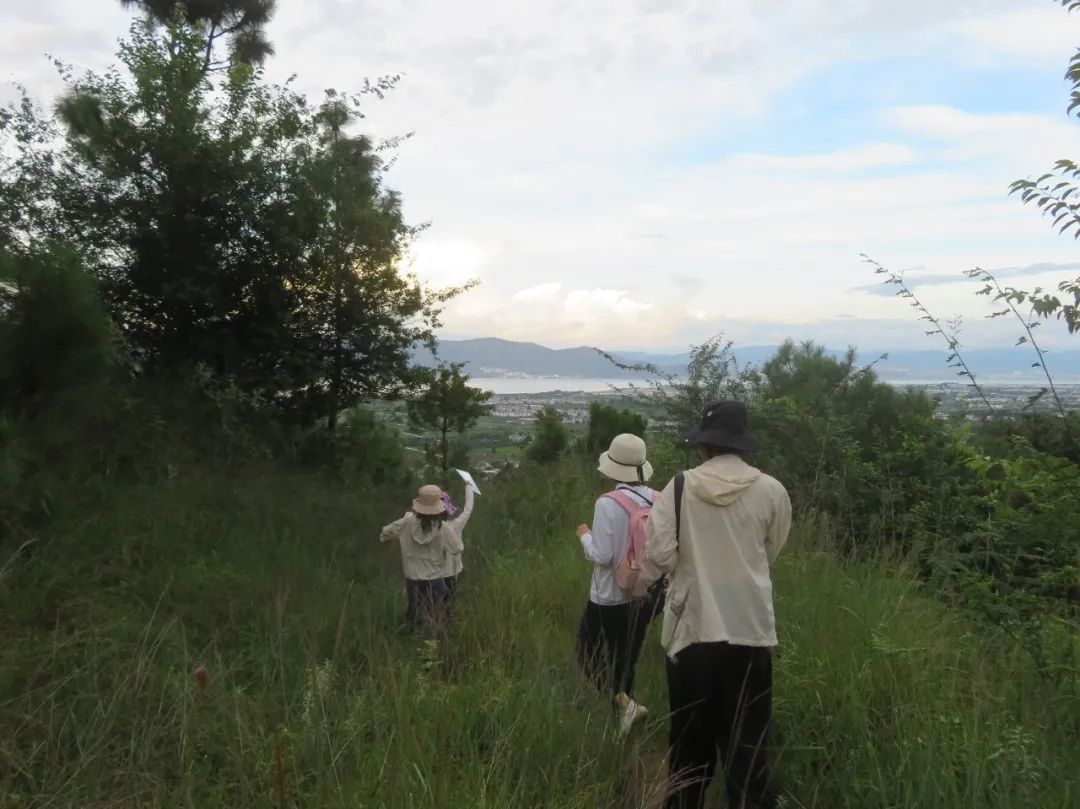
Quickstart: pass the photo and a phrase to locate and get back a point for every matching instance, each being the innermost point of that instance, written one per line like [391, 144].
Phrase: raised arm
[457, 525]
[661, 546]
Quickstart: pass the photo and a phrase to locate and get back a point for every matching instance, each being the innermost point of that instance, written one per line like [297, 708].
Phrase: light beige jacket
[735, 520]
[436, 554]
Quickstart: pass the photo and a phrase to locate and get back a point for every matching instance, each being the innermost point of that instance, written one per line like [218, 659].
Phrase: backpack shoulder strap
[629, 504]
[646, 500]
[680, 484]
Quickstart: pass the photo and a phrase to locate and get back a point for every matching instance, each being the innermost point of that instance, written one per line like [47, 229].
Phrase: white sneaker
[630, 713]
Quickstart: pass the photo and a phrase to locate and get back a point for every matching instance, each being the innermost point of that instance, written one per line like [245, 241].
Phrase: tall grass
[319, 697]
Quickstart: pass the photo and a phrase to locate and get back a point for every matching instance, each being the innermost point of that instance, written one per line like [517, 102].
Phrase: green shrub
[606, 422]
[55, 335]
[550, 437]
[370, 452]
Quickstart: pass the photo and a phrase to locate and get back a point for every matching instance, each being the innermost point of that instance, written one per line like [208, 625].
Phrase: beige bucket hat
[625, 460]
[429, 501]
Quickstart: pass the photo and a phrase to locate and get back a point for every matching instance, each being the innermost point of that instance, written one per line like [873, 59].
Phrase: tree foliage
[448, 404]
[363, 315]
[240, 22]
[230, 224]
[606, 422]
[713, 373]
[54, 332]
[367, 451]
[1039, 306]
[845, 443]
[977, 508]
[549, 439]
[1057, 194]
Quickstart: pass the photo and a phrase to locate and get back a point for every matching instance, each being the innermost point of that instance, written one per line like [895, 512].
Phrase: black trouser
[721, 704]
[427, 604]
[610, 638]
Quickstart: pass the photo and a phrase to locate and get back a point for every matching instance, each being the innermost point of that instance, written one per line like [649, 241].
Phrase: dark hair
[429, 522]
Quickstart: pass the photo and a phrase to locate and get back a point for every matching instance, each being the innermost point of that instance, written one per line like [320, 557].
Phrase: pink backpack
[635, 574]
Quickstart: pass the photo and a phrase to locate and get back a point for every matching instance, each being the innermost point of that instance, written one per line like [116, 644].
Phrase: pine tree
[242, 23]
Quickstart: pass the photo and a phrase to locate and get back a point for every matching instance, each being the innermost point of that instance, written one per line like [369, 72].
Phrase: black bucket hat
[724, 425]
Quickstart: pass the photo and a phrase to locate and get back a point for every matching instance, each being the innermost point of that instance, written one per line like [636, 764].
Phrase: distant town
[953, 399]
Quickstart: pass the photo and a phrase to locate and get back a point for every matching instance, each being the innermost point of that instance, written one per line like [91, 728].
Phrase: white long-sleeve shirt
[605, 545]
[454, 560]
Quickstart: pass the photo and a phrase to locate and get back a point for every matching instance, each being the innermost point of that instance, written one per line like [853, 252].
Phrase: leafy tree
[550, 437]
[1044, 432]
[843, 441]
[230, 225]
[182, 199]
[606, 422]
[846, 445]
[368, 451]
[361, 317]
[807, 373]
[241, 22]
[448, 404]
[54, 331]
[679, 399]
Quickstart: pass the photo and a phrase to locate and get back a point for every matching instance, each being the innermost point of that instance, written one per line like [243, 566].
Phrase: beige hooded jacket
[430, 555]
[735, 520]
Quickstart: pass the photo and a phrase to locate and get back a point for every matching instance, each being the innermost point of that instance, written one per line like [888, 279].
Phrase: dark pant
[721, 705]
[451, 585]
[427, 604]
[610, 638]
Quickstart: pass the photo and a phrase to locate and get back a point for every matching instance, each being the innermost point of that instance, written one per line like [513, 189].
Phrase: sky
[641, 174]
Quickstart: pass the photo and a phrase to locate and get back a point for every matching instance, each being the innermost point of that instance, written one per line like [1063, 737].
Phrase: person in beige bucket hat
[612, 629]
[626, 461]
[428, 501]
[431, 545]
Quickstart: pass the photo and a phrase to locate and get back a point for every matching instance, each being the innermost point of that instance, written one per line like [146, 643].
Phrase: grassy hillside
[318, 698]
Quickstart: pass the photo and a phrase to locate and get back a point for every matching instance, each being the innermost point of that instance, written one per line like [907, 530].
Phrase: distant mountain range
[494, 357]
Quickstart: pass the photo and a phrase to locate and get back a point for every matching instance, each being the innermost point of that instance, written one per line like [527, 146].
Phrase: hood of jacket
[721, 480]
[421, 537]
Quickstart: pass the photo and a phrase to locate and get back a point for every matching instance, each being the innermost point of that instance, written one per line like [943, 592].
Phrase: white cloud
[1040, 32]
[1008, 136]
[551, 151]
[860, 158]
[542, 293]
[584, 305]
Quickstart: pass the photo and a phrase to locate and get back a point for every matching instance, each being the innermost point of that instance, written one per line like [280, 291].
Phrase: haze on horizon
[640, 174]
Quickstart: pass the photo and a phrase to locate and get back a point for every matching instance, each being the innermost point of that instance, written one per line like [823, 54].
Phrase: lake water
[548, 384]
[544, 384]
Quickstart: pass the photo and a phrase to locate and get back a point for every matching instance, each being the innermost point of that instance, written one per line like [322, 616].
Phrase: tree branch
[210, 37]
[955, 359]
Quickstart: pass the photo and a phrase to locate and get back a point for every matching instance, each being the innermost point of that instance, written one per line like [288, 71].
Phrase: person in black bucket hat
[716, 530]
[724, 425]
